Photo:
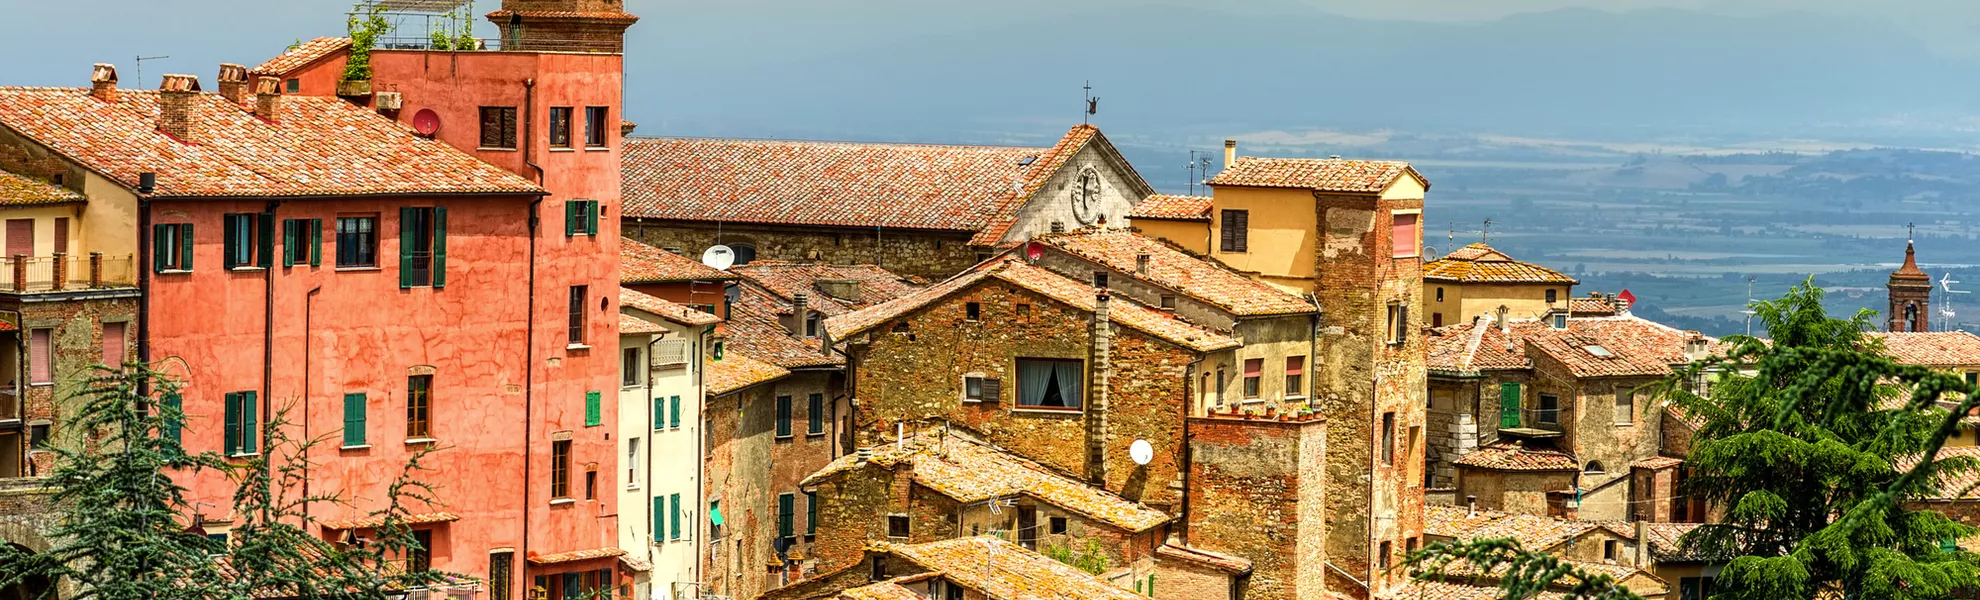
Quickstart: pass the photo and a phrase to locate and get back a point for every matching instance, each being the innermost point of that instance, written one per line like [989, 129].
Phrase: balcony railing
[62, 272]
[1535, 422]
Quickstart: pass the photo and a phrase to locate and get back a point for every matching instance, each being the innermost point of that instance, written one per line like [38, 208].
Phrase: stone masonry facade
[1256, 490]
[929, 254]
[75, 322]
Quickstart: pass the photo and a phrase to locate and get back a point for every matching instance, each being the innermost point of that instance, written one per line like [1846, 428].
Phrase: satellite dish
[718, 256]
[1034, 251]
[426, 122]
[1141, 452]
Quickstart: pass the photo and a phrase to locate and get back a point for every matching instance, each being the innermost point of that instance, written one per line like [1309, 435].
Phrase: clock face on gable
[1085, 196]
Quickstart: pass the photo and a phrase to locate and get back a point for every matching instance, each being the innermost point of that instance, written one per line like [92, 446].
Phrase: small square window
[973, 311]
[294, 85]
[897, 526]
[1100, 279]
[1168, 302]
[1024, 313]
[1058, 525]
[973, 389]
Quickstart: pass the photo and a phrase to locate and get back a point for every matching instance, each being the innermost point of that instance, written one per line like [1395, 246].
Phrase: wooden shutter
[315, 242]
[174, 418]
[993, 390]
[810, 513]
[786, 512]
[289, 242]
[185, 247]
[675, 413]
[571, 211]
[158, 248]
[591, 408]
[659, 514]
[20, 237]
[232, 239]
[674, 516]
[41, 361]
[62, 234]
[815, 421]
[354, 413]
[266, 235]
[233, 423]
[406, 246]
[250, 429]
[113, 345]
[1243, 230]
[591, 217]
[439, 246]
[1509, 405]
[783, 416]
[660, 412]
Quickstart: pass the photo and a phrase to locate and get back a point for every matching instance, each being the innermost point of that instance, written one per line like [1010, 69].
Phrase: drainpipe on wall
[268, 343]
[309, 300]
[701, 451]
[529, 378]
[146, 183]
[651, 440]
[1188, 458]
[1102, 365]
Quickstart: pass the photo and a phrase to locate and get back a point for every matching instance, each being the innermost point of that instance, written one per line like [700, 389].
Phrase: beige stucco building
[1477, 280]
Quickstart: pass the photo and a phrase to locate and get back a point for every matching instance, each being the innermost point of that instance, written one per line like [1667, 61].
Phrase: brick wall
[1256, 490]
[931, 254]
[1184, 580]
[76, 334]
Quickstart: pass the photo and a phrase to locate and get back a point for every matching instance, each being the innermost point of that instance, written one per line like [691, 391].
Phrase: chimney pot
[267, 98]
[1230, 152]
[1141, 263]
[800, 313]
[103, 82]
[233, 83]
[177, 95]
[1471, 505]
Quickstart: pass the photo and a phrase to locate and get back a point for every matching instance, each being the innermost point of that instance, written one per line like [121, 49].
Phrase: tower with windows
[1911, 296]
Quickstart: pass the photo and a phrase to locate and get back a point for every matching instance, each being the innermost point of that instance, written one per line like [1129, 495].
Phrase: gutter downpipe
[651, 439]
[268, 344]
[1188, 457]
[529, 324]
[309, 299]
[146, 181]
[701, 451]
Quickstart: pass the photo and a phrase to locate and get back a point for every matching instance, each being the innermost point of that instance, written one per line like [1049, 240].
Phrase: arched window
[1911, 317]
[744, 253]
[1594, 467]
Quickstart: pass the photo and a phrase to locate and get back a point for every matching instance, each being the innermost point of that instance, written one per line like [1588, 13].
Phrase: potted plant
[365, 24]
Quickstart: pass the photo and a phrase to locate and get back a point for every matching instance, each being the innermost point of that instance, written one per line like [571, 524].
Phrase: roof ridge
[685, 138]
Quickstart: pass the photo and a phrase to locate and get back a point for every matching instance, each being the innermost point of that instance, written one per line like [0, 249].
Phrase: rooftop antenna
[1092, 104]
[1749, 312]
[1199, 161]
[1485, 235]
[138, 76]
[1945, 304]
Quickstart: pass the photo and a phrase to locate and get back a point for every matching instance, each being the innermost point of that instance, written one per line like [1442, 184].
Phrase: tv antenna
[1945, 304]
[1198, 161]
[1485, 234]
[1749, 312]
[139, 74]
[1092, 104]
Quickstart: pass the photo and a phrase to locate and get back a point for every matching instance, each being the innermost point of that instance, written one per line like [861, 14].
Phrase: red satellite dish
[1626, 297]
[1034, 251]
[426, 122]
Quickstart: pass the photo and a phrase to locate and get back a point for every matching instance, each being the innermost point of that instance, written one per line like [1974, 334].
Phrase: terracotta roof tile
[1533, 532]
[1459, 590]
[642, 263]
[1619, 346]
[908, 186]
[631, 325]
[756, 331]
[885, 590]
[1479, 346]
[1318, 174]
[1513, 457]
[1172, 207]
[785, 279]
[1593, 307]
[301, 56]
[1657, 463]
[576, 555]
[1007, 571]
[503, 15]
[735, 372]
[1200, 556]
[21, 190]
[1954, 484]
[1177, 270]
[1932, 348]
[665, 309]
[1666, 538]
[1479, 263]
[378, 521]
[1038, 280]
[1004, 214]
[316, 146]
[973, 471]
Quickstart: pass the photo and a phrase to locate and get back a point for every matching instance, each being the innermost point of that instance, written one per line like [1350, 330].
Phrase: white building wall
[668, 456]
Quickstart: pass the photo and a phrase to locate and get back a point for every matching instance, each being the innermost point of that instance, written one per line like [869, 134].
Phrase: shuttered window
[674, 413]
[20, 237]
[113, 345]
[659, 518]
[659, 412]
[171, 247]
[1254, 375]
[302, 242]
[354, 414]
[41, 356]
[423, 246]
[243, 431]
[592, 408]
[674, 517]
[1509, 400]
[1295, 376]
[783, 416]
[1402, 236]
[498, 127]
[62, 234]
[811, 513]
[786, 513]
[1235, 231]
[815, 420]
[175, 418]
[581, 217]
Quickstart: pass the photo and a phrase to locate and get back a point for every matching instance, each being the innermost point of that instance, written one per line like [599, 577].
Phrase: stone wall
[1522, 492]
[75, 321]
[750, 466]
[931, 254]
[1256, 491]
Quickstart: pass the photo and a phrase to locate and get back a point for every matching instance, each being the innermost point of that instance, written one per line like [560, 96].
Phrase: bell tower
[1911, 296]
[563, 25]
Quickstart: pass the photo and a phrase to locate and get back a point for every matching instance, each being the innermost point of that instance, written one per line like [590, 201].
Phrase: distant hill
[827, 70]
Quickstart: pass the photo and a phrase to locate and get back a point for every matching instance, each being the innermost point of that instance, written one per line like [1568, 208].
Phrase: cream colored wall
[1280, 242]
[670, 460]
[44, 227]
[1193, 236]
[1405, 188]
[109, 221]
[1270, 340]
[1464, 302]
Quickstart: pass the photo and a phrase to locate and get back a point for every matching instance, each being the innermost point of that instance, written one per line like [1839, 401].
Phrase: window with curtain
[1050, 383]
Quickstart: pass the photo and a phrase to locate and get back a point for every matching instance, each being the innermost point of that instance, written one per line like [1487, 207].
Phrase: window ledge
[632, 487]
[244, 455]
[494, 149]
[597, 148]
[359, 268]
[357, 447]
[41, 384]
[1631, 424]
[562, 501]
[175, 272]
[1048, 411]
[423, 440]
[813, 434]
[577, 347]
[1295, 397]
[784, 437]
[247, 269]
[562, 149]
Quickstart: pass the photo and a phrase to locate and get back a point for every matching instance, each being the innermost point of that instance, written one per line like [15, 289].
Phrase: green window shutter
[660, 511]
[250, 430]
[354, 407]
[233, 423]
[786, 512]
[175, 420]
[675, 413]
[591, 217]
[233, 239]
[266, 235]
[783, 416]
[811, 513]
[158, 248]
[405, 247]
[439, 246]
[674, 517]
[185, 247]
[815, 423]
[660, 412]
[570, 218]
[288, 242]
[1509, 405]
[1949, 545]
[315, 242]
[591, 401]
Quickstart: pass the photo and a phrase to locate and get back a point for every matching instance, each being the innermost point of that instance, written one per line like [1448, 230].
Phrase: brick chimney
[1141, 264]
[800, 311]
[177, 96]
[103, 82]
[1097, 383]
[233, 83]
[267, 98]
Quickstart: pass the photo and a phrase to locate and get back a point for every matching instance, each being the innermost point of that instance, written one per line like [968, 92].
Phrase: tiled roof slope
[1592, 307]
[1533, 532]
[300, 56]
[1317, 174]
[1954, 483]
[1513, 457]
[972, 471]
[629, 324]
[1007, 571]
[665, 309]
[1038, 280]
[1004, 212]
[1635, 346]
[885, 590]
[317, 146]
[1458, 589]
[643, 263]
[1479, 263]
[21, 190]
[786, 278]
[736, 371]
[1177, 270]
[1173, 208]
[1480, 346]
[756, 331]
[1932, 348]
[910, 186]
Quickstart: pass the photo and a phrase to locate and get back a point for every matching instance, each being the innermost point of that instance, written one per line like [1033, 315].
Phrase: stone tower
[563, 25]
[1911, 296]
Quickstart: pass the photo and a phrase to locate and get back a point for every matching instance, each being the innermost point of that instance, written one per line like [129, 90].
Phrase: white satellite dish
[1141, 452]
[718, 256]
